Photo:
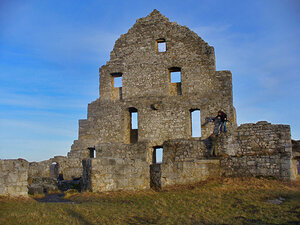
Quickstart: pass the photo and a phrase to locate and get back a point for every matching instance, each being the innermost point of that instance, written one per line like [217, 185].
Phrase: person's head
[219, 112]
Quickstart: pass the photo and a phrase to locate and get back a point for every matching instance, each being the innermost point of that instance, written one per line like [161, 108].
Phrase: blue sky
[51, 50]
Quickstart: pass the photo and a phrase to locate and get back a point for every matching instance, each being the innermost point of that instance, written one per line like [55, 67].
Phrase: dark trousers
[223, 126]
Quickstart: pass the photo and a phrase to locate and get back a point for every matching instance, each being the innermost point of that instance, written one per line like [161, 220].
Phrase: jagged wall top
[155, 26]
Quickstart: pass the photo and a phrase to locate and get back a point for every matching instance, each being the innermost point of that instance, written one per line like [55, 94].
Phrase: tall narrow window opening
[157, 155]
[133, 125]
[161, 45]
[175, 80]
[195, 123]
[92, 152]
[117, 83]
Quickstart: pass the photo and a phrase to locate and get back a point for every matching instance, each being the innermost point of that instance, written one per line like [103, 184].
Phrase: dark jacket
[222, 117]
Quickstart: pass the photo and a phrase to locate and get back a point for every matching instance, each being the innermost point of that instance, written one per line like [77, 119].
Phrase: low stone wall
[260, 149]
[185, 161]
[69, 167]
[276, 166]
[155, 176]
[118, 166]
[13, 177]
[112, 174]
[186, 172]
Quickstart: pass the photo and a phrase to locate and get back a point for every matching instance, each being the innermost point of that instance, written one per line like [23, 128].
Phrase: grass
[227, 201]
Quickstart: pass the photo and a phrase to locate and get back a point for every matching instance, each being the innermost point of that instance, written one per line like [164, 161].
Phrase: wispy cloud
[33, 149]
[40, 102]
[44, 128]
[265, 72]
[53, 39]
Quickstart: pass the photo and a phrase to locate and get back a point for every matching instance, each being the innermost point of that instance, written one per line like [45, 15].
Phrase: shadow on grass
[135, 220]
[53, 198]
[78, 217]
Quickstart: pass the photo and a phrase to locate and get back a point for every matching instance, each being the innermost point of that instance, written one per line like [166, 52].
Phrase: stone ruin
[160, 75]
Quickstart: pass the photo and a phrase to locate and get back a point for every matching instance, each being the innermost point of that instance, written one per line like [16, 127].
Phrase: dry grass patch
[226, 201]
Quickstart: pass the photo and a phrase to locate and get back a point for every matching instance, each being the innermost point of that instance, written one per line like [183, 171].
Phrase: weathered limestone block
[70, 167]
[262, 149]
[109, 174]
[189, 172]
[13, 177]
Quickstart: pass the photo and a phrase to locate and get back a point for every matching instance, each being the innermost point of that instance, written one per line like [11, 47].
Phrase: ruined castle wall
[117, 167]
[263, 150]
[146, 81]
[185, 172]
[69, 167]
[115, 174]
[145, 71]
[296, 157]
[170, 120]
[184, 161]
[13, 177]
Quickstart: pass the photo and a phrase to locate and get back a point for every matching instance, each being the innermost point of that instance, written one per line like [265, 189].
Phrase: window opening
[298, 167]
[54, 169]
[195, 123]
[117, 85]
[117, 80]
[157, 155]
[175, 79]
[134, 120]
[133, 125]
[92, 152]
[161, 45]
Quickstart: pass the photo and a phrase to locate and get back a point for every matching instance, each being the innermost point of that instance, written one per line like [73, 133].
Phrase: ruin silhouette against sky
[51, 52]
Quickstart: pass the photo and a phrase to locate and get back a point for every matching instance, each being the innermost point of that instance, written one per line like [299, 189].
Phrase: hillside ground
[224, 201]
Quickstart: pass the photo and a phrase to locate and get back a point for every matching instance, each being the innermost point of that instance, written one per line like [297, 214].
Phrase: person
[223, 121]
[60, 177]
[214, 150]
[220, 121]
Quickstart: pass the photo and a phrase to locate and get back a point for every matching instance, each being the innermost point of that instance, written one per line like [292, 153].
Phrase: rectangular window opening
[157, 155]
[133, 125]
[161, 45]
[175, 80]
[134, 120]
[117, 82]
[92, 152]
[175, 76]
[196, 123]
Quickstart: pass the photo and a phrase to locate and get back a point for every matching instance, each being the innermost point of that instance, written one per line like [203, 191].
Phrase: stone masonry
[13, 177]
[143, 109]
[164, 116]
[260, 149]
[164, 108]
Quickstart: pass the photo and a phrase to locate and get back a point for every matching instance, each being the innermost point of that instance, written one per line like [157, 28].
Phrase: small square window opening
[117, 82]
[162, 46]
[176, 77]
